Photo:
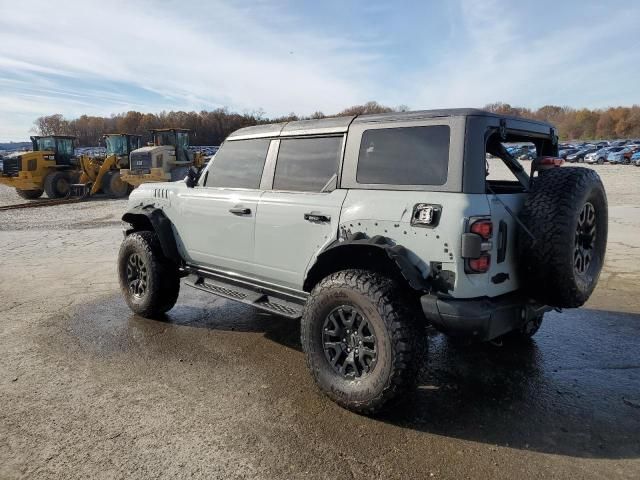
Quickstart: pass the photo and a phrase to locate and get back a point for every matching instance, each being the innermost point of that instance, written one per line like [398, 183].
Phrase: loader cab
[62, 147]
[175, 137]
[121, 145]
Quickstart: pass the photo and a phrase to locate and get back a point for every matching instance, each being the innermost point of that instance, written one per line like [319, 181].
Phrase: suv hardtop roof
[341, 124]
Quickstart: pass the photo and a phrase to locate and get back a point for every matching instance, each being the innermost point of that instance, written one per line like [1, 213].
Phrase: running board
[259, 299]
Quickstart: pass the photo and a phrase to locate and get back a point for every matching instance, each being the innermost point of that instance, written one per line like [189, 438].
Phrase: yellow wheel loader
[105, 174]
[51, 167]
[166, 159]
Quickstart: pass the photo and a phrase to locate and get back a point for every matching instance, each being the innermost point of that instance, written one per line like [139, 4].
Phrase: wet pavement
[574, 390]
[573, 393]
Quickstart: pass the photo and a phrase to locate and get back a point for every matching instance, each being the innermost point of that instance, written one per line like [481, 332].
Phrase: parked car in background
[602, 144]
[630, 150]
[580, 154]
[616, 154]
[635, 158]
[566, 152]
[599, 156]
[619, 143]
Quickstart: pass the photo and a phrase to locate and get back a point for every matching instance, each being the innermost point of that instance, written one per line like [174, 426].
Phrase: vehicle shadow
[574, 390]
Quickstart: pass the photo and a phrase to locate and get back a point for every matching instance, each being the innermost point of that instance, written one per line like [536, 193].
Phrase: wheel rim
[349, 342]
[62, 186]
[584, 252]
[136, 275]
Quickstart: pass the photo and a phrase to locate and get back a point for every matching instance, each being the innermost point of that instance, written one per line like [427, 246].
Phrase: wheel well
[362, 256]
[138, 221]
[154, 220]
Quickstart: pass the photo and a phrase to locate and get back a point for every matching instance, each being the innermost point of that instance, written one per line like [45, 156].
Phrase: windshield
[116, 145]
[164, 138]
[135, 142]
[45, 143]
[65, 147]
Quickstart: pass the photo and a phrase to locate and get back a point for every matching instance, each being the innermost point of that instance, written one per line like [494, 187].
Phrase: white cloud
[97, 57]
[200, 57]
[505, 57]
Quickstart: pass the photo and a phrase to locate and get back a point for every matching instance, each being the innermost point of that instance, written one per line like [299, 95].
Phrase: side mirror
[192, 177]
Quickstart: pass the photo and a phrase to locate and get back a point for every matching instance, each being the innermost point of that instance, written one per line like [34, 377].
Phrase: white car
[599, 156]
[369, 227]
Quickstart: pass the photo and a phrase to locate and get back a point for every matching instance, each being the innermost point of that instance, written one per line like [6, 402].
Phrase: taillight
[480, 264]
[483, 227]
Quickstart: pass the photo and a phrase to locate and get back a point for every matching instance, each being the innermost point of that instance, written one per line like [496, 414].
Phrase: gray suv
[370, 227]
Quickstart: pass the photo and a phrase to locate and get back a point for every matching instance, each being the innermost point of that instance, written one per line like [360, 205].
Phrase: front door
[217, 217]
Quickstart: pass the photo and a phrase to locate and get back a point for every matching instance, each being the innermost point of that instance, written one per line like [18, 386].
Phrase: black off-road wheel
[357, 335]
[57, 185]
[113, 186]
[566, 212]
[150, 283]
[29, 194]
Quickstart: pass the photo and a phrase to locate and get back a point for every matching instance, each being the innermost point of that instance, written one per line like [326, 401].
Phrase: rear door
[216, 221]
[301, 212]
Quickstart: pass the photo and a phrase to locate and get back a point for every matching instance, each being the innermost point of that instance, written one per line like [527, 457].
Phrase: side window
[307, 164]
[404, 156]
[238, 164]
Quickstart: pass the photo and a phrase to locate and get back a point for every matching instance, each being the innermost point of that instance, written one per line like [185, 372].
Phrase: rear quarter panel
[388, 213]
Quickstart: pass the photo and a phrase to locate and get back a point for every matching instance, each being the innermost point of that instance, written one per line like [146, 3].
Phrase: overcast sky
[281, 56]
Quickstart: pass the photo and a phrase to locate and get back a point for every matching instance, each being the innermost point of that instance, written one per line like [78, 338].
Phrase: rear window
[238, 164]
[307, 164]
[404, 156]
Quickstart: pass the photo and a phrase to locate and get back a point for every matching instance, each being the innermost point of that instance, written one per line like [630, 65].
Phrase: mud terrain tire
[566, 211]
[391, 324]
[150, 283]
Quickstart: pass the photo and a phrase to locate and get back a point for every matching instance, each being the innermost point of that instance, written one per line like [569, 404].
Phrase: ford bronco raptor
[368, 227]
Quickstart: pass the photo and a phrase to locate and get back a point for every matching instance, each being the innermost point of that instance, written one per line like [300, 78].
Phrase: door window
[307, 164]
[238, 164]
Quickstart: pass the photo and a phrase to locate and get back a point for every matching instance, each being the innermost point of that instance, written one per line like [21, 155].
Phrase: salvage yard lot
[219, 390]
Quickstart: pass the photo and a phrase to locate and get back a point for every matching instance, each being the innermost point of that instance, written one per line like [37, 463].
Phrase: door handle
[316, 217]
[240, 210]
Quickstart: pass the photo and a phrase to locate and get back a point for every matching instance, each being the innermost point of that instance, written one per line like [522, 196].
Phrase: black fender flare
[407, 264]
[149, 217]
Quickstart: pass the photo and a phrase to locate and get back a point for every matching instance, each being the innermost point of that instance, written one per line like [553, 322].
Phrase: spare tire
[566, 214]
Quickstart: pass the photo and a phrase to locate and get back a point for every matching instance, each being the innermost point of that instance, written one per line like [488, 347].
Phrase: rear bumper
[480, 319]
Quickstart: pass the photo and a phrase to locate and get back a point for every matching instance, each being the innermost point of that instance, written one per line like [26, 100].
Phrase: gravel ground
[219, 390]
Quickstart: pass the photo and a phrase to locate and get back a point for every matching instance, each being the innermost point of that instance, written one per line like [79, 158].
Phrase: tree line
[212, 127]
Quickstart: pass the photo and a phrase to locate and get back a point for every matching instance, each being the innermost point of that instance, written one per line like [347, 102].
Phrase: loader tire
[566, 212]
[114, 186]
[57, 185]
[150, 283]
[29, 194]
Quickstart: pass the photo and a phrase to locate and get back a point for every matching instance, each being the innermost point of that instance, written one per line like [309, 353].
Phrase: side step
[261, 300]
